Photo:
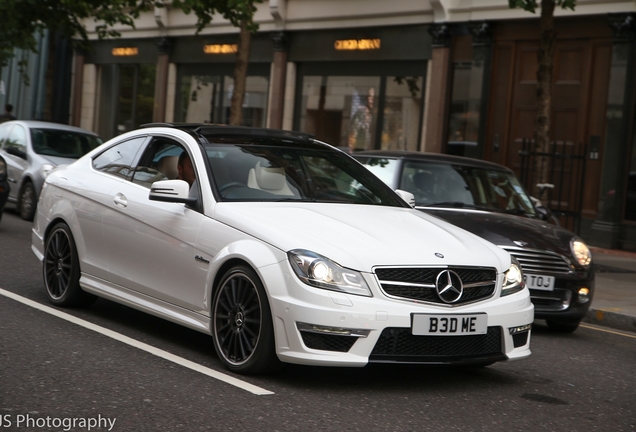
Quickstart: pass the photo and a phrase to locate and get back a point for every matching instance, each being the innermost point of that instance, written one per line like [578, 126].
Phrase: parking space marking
[587, 326]
[140, 345]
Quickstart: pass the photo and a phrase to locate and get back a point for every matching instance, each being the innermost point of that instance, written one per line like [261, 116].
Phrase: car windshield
[447, 185]
[272, 172]
[63, 143]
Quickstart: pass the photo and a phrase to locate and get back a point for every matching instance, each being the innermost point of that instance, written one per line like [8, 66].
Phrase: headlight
[513, 279]
[46, 170]
[321, 272]
[581, 252]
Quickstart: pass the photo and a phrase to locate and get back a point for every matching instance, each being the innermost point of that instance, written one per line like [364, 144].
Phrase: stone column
[78, 88]
[277, 87]
[161, 80]
[436, 108]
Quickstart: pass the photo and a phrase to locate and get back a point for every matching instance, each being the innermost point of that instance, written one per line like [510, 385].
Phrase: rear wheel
[562, 326]
[61, 269]
[242, 323]
[27, 202]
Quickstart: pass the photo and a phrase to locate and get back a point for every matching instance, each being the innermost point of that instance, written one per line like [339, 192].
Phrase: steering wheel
[230, 185]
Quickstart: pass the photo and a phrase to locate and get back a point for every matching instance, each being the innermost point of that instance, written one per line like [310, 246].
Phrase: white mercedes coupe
[281, 247]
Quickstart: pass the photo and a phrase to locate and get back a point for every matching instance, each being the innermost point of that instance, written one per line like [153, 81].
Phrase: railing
[564, 165]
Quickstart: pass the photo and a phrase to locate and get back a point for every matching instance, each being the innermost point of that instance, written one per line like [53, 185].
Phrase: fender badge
[439, 255]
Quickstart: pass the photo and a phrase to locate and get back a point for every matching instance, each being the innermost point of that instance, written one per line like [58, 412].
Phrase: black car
[487, 199]
[4, 185]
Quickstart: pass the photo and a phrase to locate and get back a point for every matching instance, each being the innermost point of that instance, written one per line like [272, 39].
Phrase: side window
[118, 160]
[159, 162]
[17, 138]
[3, 133]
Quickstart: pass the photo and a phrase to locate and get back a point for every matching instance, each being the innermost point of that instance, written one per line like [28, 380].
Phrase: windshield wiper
[456, 204]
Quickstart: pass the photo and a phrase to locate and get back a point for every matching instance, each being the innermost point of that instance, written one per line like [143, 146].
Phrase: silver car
[32, 149]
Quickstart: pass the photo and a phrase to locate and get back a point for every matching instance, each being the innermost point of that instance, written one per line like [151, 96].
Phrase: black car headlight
[319, 271]
[581, 252]
[513, 279]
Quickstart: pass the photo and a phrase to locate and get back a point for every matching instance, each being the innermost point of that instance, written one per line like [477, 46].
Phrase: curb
[611, 319]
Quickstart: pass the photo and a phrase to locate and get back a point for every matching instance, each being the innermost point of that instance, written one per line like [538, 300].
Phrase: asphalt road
[109, 367]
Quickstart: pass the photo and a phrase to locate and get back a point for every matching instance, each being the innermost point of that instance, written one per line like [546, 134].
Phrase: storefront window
[345, 111]
[465, 107]
[402, 113]
[208, 98]
[127, 98]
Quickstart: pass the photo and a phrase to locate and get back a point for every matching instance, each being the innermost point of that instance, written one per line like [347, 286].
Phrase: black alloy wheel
[61, 269]
[27, 201]
[242, 323]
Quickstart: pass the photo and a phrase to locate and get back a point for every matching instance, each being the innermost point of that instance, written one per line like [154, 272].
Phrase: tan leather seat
[168, 166]
[270, 179]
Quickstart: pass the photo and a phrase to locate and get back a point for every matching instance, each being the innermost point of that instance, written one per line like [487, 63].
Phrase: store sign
[125, 51]
[220, 49]
[357, 44]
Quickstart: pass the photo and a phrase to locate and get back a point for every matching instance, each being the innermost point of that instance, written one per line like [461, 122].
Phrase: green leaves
[532, 5]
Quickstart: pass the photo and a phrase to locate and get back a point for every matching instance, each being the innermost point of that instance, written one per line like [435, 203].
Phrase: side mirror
[408, 197]
[174, 191]
[544, 213]
[16, 152]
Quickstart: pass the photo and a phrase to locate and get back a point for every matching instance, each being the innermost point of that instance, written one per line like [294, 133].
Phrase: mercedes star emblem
[449, 286]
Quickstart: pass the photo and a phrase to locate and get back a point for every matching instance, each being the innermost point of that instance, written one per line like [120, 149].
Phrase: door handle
[120, 200]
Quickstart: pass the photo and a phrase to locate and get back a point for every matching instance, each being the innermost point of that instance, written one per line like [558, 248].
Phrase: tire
[562, 326]
[61, 270]
[242, 326]
[27, 202]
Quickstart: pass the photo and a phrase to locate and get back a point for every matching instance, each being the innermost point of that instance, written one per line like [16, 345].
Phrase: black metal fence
[565, 168]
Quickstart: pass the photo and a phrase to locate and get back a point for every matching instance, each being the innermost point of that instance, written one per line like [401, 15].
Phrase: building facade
[453, 76]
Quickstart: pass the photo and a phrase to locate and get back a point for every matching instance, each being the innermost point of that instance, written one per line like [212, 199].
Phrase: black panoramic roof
[214, 132]
[431, 157]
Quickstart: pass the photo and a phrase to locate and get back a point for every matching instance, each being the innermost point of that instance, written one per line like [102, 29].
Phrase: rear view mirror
[175, 191]
[408, 197]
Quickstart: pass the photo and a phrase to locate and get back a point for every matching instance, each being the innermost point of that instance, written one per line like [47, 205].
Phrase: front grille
[401, 346]
[551, 301]
[418, 283]
[328, 342]
[540, 261]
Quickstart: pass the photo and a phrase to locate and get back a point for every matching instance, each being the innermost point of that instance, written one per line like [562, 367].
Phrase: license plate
[539, 282]
[449, 325]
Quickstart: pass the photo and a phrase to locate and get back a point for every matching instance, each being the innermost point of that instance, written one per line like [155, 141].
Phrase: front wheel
[61, 269]
[242, 326]
[28, 201]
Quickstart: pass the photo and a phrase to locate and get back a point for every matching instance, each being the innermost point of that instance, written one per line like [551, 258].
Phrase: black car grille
[401, 346]
[520, 339]
[551, 301]
[328, 342]
[418, 283]
[540, 261]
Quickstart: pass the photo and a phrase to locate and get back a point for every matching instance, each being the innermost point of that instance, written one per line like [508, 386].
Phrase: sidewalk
[614, 302]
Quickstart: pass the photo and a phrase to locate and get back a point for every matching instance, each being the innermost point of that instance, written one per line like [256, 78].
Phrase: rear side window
[17, 138]
[118, 160]
[3, 133]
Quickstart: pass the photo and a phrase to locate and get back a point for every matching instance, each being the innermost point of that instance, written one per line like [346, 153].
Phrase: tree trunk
[544, 83]
[240, 75]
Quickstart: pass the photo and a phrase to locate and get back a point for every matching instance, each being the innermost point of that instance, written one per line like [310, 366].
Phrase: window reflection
[345, 111]
[208, 98]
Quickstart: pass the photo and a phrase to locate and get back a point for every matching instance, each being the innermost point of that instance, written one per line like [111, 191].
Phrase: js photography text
[63, 423]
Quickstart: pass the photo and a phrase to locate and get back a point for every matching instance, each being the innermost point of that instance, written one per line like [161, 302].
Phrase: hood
[57, 161]
[504, 229]
[361, 236]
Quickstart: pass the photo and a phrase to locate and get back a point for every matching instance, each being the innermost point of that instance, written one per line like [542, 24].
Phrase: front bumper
[319, 327]
[564, 303]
